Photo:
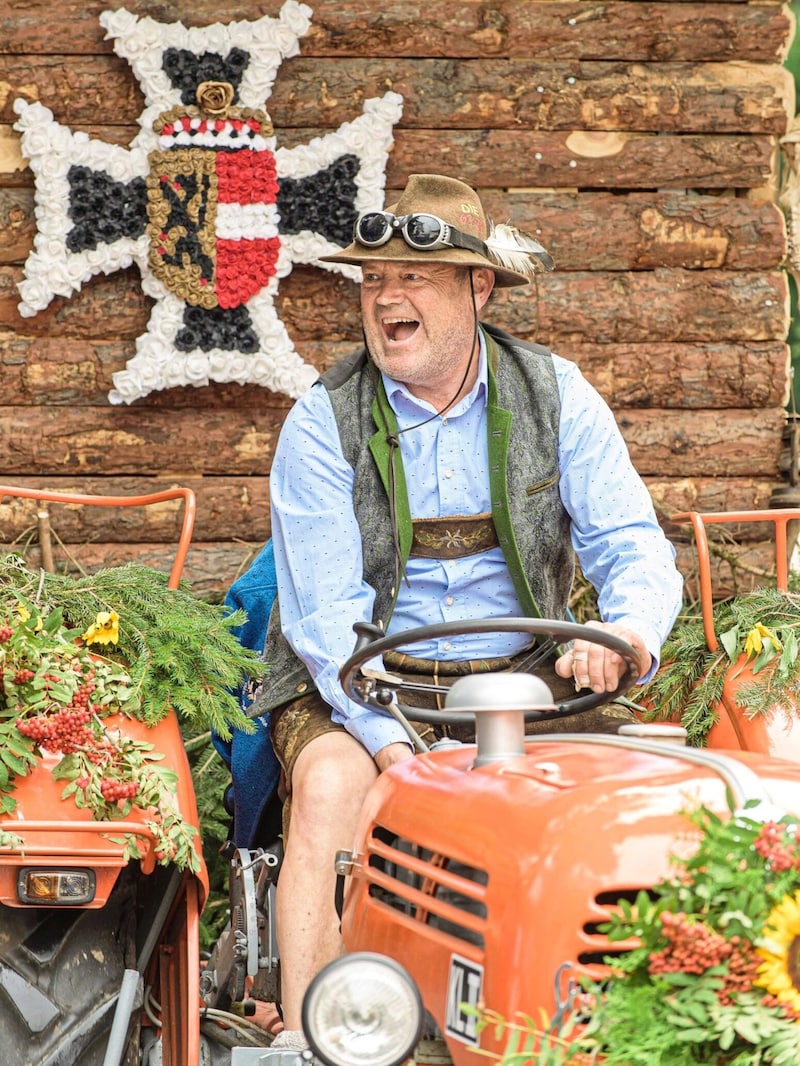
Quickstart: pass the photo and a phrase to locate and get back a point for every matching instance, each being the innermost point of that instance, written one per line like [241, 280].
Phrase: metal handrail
[144, 500]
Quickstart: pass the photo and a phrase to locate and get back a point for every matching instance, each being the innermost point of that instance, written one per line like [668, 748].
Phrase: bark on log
[527, 159]
[634, 231]
[709, 443]
[237, 507]
[706, 494]
[688, 376]
[648, 307]
[55, 372]
[212, 567]
[138, 440]
[228, 509]
[453, 93]
[467, 28]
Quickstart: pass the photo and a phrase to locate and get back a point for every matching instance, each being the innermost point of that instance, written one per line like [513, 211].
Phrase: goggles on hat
[423, 233]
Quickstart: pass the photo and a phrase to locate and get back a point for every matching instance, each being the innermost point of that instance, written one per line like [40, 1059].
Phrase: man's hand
[391, 754]
[599, 668]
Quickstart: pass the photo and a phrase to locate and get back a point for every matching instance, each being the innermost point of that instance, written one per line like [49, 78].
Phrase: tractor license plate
[463, 990]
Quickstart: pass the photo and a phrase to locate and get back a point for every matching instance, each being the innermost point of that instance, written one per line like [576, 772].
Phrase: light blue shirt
[616, 536]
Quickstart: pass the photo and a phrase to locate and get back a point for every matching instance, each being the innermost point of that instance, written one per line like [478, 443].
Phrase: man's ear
[482, 285]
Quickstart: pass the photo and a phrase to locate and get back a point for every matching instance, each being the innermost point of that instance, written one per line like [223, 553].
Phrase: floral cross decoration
[203, 201]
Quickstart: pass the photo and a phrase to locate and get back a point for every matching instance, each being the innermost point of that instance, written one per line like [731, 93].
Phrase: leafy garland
[715, 975]
[763, 626]
[162, 650]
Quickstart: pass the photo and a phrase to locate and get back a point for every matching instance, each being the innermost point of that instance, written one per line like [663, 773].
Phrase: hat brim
[396, 250]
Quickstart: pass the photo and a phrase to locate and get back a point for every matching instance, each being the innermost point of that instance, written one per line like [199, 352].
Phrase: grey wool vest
[532, 525]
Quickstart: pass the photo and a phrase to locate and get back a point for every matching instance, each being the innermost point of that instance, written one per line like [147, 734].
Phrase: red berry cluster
[692, 947]
[23, 676]
[770, 1001]
[66, 731]
[166, 851]
[117, 791]
[6, 633]
[778, 846]
[742, 967]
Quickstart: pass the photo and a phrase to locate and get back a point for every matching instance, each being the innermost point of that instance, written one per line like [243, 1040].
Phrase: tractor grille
[599, 947]
[429, 887]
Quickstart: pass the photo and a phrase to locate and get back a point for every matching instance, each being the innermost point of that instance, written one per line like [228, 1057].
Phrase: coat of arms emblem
[207, 205]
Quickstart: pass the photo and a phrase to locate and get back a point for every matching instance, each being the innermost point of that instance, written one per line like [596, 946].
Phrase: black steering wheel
[378, 693]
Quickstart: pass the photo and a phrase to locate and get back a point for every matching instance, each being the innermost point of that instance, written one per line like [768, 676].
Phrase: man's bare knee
[332, 774]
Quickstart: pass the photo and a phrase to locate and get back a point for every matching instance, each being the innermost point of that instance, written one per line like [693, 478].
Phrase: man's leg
[330, 778]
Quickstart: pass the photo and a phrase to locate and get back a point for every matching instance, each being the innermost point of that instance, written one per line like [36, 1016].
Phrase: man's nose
[390, 290]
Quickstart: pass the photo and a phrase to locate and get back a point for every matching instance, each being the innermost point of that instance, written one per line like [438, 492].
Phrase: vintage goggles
[423, 233]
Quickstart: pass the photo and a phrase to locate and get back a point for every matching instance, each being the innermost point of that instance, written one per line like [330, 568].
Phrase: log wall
[640, 141]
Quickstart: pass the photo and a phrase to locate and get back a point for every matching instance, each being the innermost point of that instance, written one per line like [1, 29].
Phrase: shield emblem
[211, 208]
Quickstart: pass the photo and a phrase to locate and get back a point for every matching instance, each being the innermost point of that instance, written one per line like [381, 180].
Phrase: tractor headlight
[362, 1010]
[49, 886]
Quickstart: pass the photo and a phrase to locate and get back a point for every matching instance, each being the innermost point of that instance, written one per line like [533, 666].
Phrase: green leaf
[730, 641]
[13, 762]
[789, 653]
[765, 656]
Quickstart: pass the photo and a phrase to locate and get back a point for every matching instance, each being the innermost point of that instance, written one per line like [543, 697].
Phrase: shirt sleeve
[318, 560]
[620, 545]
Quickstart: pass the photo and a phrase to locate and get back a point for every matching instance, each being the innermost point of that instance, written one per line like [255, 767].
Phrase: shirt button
[302, 686]
[449, 601]
[444, 421]
[447, 645]
[448, 473]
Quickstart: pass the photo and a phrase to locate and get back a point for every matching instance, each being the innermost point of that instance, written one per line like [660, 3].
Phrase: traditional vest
[532, 525]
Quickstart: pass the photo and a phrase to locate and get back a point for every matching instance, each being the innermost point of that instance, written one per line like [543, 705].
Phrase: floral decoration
[714, 977]
[209, 208]
[73, 668]
[759, 628]
[57, 694]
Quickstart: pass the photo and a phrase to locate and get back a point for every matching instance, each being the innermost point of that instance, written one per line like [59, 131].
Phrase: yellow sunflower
[779, 947]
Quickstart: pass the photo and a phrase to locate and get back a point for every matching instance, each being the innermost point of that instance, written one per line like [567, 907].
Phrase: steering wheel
[378, 693]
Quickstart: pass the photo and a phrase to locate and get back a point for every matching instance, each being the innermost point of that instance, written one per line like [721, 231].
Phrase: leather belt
[454, 536]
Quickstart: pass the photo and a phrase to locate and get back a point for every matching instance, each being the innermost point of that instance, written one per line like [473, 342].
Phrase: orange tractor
[482, 878]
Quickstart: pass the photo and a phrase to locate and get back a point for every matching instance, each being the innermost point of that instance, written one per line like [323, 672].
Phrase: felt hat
[512, 255]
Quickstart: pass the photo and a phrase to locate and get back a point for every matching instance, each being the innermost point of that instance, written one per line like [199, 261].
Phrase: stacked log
[638, 141]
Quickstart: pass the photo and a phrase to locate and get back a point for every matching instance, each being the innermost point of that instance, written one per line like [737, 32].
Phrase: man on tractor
[445, 471]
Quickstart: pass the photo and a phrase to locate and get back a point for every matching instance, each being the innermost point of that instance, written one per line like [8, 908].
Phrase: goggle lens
[422, 231]
[373, 229]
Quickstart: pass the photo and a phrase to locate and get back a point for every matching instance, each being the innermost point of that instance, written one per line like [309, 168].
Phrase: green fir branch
[689, 683]
[180, 651]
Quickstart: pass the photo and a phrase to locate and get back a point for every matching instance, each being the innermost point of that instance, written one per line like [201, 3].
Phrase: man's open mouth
[399, 329]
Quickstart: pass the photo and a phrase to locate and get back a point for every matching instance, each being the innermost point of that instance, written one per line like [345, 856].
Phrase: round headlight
[362, 1010]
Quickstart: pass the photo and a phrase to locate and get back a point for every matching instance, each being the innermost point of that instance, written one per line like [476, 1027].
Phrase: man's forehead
[411, 266]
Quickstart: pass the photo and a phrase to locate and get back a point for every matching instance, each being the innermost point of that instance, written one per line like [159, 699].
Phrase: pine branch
[180, 651]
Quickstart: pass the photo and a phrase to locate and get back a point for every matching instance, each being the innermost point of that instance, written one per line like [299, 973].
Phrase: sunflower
[779, 973]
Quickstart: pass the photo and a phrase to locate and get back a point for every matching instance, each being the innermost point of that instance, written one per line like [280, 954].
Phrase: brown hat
[512, 255]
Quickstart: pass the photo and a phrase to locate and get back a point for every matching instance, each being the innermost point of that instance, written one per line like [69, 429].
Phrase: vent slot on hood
[429, 887]
[599, 946]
